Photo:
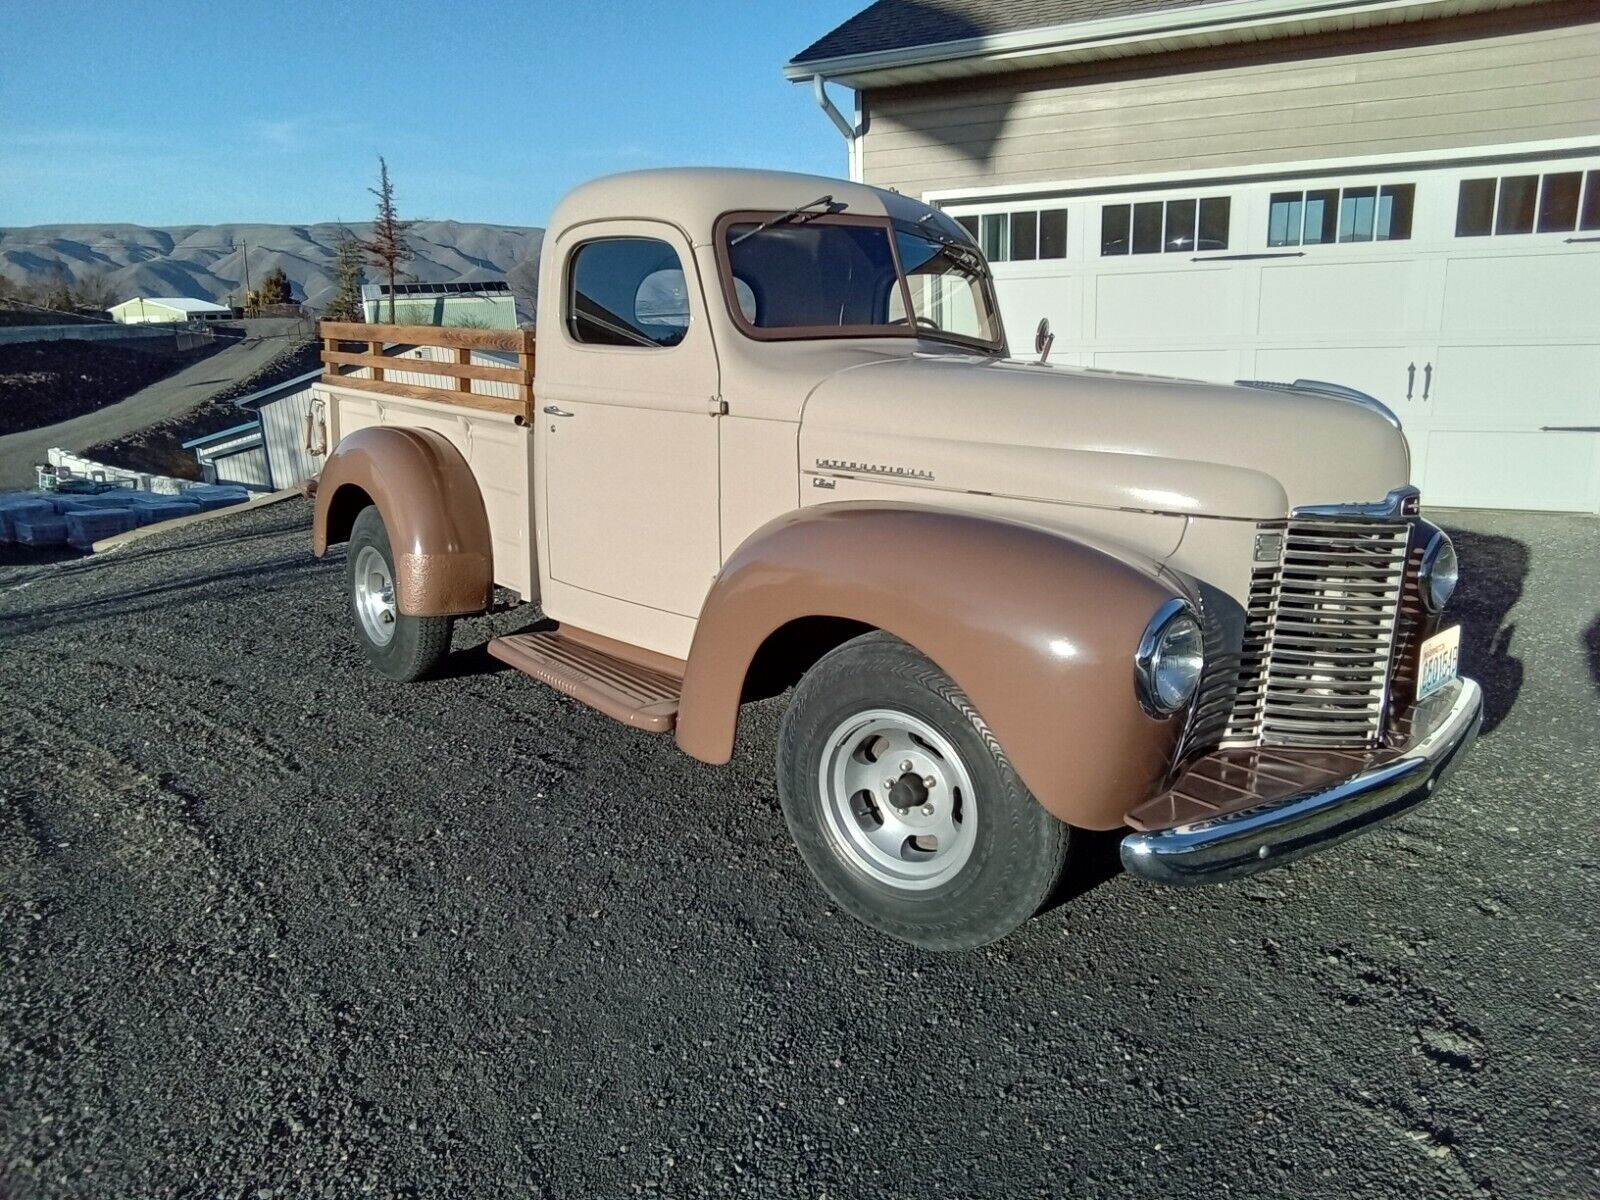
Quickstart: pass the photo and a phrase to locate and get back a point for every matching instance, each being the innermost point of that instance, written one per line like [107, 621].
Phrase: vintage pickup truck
[775, 440]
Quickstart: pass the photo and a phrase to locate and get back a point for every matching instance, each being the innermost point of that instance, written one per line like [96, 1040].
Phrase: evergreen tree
[274, 290]
[388, 246]
[347, 269]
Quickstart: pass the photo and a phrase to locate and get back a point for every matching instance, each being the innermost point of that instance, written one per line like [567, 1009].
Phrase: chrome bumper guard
[1242, 843]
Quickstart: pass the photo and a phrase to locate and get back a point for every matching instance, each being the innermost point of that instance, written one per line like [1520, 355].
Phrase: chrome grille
[1320, 635]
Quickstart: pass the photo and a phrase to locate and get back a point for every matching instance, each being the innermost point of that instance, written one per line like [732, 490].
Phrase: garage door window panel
[1284, 218]
[1589, 219]
[1147, 227]
[1358, 208]
[1514, 207]
[1114, 228]
[1053, 233]
[1180, 225]
[1395, 205]
[1558, 202]
[1216, 214]
[996, 235]
[1024, 236]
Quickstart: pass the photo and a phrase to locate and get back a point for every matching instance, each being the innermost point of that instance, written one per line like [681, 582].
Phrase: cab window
[627, 291]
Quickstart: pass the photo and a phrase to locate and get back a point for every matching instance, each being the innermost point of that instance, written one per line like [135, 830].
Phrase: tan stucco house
[1402, 196]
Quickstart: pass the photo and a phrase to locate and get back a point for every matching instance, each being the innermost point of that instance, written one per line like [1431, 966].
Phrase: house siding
[1492, 79]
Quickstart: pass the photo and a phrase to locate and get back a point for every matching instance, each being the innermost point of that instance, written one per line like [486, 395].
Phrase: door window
[627, 291]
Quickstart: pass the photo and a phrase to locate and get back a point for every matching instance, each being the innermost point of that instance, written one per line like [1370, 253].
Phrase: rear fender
[431, 507]
[1039, 629]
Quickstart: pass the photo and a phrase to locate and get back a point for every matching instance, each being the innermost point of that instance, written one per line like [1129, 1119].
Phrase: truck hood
[1101, 438]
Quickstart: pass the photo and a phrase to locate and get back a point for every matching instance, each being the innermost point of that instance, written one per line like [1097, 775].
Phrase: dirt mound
[42, 383]
[159, 449]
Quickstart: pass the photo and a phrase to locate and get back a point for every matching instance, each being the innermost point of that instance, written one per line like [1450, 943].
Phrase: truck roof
[694, 197]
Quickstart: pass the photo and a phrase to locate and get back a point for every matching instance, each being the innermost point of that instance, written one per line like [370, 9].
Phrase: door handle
[1411, 378]
[552, 410]
[1427, 380]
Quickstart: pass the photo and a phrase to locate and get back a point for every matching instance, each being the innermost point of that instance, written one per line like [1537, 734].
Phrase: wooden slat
[430, 335]
[514, 407]
[423, 366]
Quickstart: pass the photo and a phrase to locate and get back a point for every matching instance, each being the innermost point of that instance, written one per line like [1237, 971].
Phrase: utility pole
[244, 248]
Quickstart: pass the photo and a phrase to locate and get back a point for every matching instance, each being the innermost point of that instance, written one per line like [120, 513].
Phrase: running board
[636, 695]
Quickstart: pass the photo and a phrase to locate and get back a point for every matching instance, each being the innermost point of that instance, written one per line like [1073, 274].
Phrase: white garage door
[1466, 297]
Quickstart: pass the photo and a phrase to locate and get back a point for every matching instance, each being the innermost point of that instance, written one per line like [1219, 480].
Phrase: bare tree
[95, 290]
[389, 246]
[58, 291]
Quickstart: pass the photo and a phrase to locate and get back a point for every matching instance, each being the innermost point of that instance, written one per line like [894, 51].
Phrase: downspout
[852, 133]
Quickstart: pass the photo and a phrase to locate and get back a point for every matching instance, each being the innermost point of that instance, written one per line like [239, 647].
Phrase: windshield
[842, 276]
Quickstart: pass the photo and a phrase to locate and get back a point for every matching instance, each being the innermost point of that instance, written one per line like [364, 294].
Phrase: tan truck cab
[770, 436]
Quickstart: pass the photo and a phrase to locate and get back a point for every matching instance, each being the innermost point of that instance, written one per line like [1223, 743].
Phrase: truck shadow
[474, 660]
[1591, 646]
[1493, 571]
[1094, 858]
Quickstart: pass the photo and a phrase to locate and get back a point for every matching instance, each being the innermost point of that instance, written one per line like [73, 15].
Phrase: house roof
[181, 303]
[912, 41]
[223, 435]
[897, 24]
[282, 388]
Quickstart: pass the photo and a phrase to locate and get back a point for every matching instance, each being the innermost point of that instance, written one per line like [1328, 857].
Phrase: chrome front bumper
[1253, 839]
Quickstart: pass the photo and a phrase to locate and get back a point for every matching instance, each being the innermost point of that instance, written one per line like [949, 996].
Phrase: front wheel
[904, 806]
[400, 646]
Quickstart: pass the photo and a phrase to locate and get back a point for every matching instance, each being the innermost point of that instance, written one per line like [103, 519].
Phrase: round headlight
[1170, 660]
[1439, 572]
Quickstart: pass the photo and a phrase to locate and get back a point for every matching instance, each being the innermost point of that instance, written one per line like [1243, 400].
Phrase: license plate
[1440, 660]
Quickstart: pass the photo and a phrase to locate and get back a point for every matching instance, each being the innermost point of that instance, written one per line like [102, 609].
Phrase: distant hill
[207, 262]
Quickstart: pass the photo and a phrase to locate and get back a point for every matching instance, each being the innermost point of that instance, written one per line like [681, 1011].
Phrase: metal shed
[268, 452]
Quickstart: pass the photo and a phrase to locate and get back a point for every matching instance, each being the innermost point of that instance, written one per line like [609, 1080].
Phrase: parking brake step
[630, 692]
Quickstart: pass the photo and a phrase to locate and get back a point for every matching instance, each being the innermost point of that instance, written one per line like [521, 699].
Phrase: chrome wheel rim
[375, 596]
[897, 800]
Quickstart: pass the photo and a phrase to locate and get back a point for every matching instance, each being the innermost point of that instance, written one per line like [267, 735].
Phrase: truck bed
[472, 386]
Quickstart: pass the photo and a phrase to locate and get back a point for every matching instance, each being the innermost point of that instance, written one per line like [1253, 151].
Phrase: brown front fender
[1039, 630]
[431, 507]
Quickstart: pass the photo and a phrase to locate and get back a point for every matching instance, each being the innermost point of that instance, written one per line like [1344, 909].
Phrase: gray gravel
[272, 927]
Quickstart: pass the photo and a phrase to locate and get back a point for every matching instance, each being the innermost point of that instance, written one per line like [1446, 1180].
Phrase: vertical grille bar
[1320, 635]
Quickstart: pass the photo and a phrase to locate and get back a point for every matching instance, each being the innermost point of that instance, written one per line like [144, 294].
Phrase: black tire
[418, 644]
[1016, 852]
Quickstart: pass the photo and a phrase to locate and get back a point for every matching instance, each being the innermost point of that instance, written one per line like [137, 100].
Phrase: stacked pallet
[81, 519]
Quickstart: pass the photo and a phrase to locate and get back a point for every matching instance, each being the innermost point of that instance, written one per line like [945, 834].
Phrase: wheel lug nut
[929, 782]
[888, 785]
[927, 810]
[905, 765]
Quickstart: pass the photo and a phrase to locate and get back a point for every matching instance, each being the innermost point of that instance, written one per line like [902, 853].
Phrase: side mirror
[1043, 339]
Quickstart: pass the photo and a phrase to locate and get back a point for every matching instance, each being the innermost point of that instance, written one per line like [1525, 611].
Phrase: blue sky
[190, 113]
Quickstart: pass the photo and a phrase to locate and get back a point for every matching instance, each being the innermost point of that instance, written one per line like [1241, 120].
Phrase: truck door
[627, 436]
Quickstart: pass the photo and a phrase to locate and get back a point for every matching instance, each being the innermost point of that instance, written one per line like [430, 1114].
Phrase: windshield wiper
[959, 251]
[825, 201]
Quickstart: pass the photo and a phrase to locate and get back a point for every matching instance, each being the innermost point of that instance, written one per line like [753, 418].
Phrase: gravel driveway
[271, 927]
